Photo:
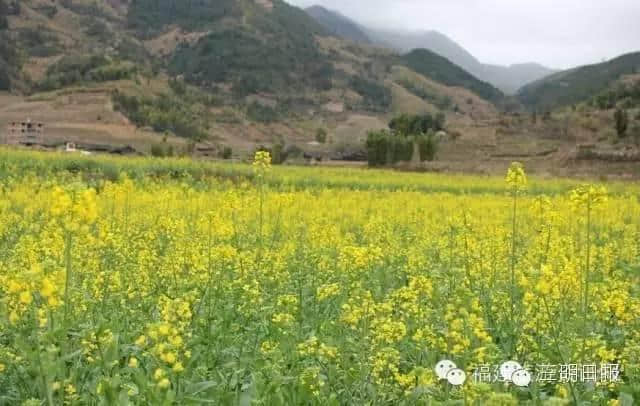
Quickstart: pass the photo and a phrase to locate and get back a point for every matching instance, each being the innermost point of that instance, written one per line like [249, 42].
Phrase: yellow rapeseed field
[172, 282]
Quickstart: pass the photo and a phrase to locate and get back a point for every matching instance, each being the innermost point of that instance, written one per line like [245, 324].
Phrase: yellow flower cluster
[359, 306]
[160, 376]
[166, 339]
[385, 365]
[261, 163]
[588, 195]
[74, 210]
[268, 347]
[418, 377]
[339, 286]
[94, 344]
[327, 291]
[359, 259]
[516, 178]
[23, 288]
[314, 348]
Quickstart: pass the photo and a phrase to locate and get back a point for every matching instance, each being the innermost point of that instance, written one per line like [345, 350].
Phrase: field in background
[162, 281]
[484, 145]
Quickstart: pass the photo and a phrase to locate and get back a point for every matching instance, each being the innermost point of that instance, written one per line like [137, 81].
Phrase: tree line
[404, 135]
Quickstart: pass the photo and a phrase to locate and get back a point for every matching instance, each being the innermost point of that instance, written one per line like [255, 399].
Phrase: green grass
[99, 168]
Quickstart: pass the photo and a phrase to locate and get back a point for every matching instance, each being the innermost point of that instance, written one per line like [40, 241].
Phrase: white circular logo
[456, 376]
[443, 367]
[521, 377]
[508, 368]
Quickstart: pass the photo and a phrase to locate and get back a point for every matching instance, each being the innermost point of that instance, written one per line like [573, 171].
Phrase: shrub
[621, 118]
[604, 101]
[321, 135]
[157, 150]
[178, 86]
[97, 29]
[377, 146]
[130, 50]
[293, 152]
[388, 147]
[626, 96]
[407, 131]
[634, 132]
[427, 146]
[5, 80]
[226, 152]
[401, 149]
[385, 148]
[163, 113]
[262, 114]
[39, 41]
[375, 97]
[277, 154]
[72, 70]
[407, 125]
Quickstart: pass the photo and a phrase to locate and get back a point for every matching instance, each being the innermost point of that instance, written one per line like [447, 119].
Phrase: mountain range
[507, 78]
[224, 77]
[229, 72]
[233, 49]
[237, 49]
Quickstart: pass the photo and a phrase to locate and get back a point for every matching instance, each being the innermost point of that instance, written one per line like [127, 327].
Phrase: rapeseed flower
[344, 288]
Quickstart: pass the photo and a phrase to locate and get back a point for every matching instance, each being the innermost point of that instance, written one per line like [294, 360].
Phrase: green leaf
[626, 399]
[195, 388]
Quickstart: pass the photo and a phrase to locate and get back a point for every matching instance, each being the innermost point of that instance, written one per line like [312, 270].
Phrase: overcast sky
[556, 33]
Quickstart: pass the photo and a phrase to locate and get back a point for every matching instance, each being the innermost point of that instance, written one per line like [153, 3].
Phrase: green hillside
[148, 17]
[440, 69]
[9, 57]
[227, 73]
[577, 85]
[276, 53]
[233, 48]
[248, 48]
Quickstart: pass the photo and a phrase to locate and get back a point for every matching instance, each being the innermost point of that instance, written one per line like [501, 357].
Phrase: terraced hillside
[212, 73]
[220, 79]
